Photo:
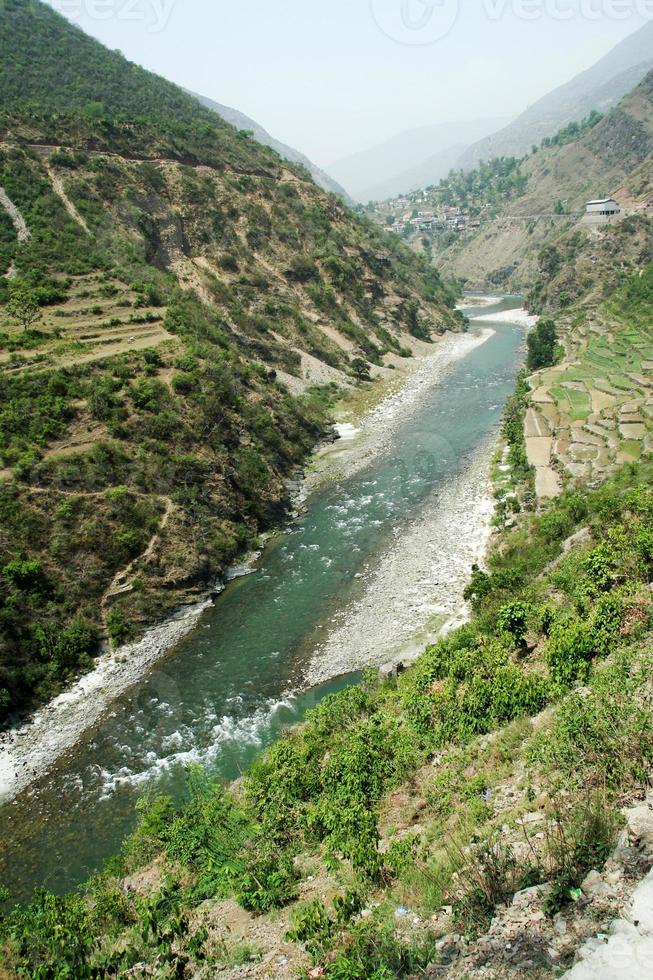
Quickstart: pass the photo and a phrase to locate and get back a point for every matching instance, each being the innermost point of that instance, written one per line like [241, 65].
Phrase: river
[330, 593]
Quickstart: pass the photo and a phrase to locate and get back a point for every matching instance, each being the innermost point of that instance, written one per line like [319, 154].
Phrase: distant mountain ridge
[408, 160]
[601, 87]
[261, 135]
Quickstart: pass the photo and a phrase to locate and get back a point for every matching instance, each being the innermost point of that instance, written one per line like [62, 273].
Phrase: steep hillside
[241, 121]
[170, 293]
[600, 88]
[464, 819]
[613, 156]
[590, 410]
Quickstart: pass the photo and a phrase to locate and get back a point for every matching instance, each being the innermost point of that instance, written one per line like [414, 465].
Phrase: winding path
[120, 584]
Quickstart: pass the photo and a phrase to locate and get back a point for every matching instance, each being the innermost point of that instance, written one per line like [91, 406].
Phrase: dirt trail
[58, 188]
[80, 438]
[44, 150]
[19, 222]
[120, 584]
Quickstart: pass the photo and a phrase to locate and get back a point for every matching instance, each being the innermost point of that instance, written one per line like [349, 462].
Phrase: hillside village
[458, 203]
[421, 212]
[421, 216]
[468, 199]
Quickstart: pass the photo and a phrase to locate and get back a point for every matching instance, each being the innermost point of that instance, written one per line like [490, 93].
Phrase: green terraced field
[612, 355]
[576, 404]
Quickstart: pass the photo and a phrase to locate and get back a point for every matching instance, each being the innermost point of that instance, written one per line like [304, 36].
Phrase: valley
[326, 531]
[265, 650]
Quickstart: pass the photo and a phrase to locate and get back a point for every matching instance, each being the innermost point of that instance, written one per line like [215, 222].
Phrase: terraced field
[102, 317]
[597, 406]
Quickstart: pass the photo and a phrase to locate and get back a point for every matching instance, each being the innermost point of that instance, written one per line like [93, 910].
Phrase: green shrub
[464, 687]
[569, 651]
[599, 566]
[75, 644]
[513, 619]
[118, 628]
[26, 575]
[52, 937]
[602, 738]
[269, 879]
[208, 835]
[312, 927]
[373, 952]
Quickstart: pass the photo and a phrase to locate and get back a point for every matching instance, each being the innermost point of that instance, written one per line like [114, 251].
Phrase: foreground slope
[189, 289]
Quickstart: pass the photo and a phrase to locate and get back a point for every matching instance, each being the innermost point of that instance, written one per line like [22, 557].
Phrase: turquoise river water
[237, 681]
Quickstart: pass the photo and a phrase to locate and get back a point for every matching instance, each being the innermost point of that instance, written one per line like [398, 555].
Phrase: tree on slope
[22, 307]
[542, 346]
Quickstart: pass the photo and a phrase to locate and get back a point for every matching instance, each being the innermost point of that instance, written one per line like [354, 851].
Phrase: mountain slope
[613, 157]
[589, 409]
[185, 288]
[241, 121]
[421, 825]
[428, 172]
[600, 88]
[410, 159]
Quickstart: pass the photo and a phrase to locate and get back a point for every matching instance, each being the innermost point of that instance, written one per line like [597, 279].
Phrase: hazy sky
[332, 77]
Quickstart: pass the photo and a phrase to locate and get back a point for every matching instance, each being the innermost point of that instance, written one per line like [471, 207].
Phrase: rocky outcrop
[22, 231]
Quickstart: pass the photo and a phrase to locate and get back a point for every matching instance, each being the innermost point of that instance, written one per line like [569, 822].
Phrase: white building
[602, 209]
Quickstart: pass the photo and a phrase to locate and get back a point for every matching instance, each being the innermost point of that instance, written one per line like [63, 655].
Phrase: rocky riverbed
[372, 437]
[414, 590]
[29, 750]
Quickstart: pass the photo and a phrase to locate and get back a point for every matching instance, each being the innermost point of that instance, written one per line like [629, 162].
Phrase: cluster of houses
[419, 214]
[441, 218]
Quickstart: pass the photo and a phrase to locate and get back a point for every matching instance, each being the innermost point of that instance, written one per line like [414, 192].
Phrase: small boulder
[594, 886]
[640, 826]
